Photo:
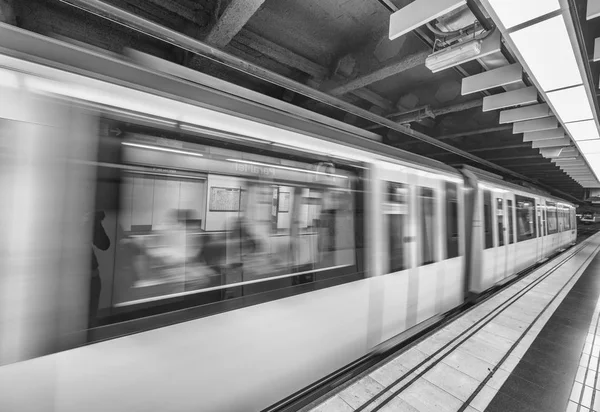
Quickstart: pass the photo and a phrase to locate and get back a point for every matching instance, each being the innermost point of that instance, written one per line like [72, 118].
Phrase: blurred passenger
[101, 241]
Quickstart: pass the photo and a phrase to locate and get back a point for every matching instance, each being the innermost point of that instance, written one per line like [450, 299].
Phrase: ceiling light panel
[548, 52]
[571, 105]
[585, 130]
[589, 147]
[528, 10]
[594, 162]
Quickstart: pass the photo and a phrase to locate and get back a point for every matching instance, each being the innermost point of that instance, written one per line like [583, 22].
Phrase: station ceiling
[342, 48]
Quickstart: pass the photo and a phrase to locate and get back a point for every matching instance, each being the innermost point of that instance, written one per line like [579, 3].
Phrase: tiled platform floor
[531, 347]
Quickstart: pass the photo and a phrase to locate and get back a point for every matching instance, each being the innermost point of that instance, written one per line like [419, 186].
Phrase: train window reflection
[188, 231]
[552, 218]
[427, 225]
[544, 227]
[525, 218]
[500, 216]
[395, 211]
[451, 220]
[511, 228]
[487, 219]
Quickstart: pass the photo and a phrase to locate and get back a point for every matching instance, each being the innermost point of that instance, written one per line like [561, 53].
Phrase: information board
[284, 202]
[224, 199]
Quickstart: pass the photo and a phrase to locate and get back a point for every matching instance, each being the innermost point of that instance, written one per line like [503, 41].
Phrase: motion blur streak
[42, 249]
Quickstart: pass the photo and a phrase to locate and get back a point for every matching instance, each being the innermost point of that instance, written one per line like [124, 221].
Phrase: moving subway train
[175, 242]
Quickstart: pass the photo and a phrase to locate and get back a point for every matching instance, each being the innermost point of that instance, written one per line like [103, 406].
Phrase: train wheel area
[533, 346]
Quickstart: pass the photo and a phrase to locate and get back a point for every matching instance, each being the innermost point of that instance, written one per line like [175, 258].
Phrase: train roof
[498, 180]
[152, 75]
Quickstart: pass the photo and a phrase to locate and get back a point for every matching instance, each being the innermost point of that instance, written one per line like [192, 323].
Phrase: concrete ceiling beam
[485, 149]
[459, 107]
[7, 12]
[293, 60]
[475, 132]
[494, 159]
[178, 7]
[407, 63]
[374, 98]
[235, 16]
[281, 54]
[426, 112]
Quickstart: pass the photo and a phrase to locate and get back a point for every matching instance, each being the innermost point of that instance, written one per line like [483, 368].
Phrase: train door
[544, 229]
[511, 247]
[394, 249]
[429, 198]
[488, 266]
[540, 238]
[502, 254]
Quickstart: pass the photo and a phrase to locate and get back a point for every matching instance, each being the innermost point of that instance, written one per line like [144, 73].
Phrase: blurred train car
[174, 242]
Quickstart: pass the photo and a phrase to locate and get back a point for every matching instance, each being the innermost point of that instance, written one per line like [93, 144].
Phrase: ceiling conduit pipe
[149, 28]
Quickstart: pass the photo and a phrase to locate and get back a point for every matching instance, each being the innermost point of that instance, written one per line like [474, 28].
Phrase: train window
[427, 225]
[451, 220]
[395, 211]
[544, 228]
[487, 219]
[552, 221]
[511, 230]
[567, 218]
[525, 218]
[561, 218]
[539, 215]
[189, 231]
[500, 216]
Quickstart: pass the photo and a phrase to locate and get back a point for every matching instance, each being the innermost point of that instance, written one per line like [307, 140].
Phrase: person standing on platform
[101, 241]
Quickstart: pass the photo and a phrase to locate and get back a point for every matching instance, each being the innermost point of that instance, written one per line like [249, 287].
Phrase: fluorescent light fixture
[295, 169]
[162, 149]
[571, 105]
[589, 146]
[453, 55]
[514, 12]
[585, 130]
[546, 48]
